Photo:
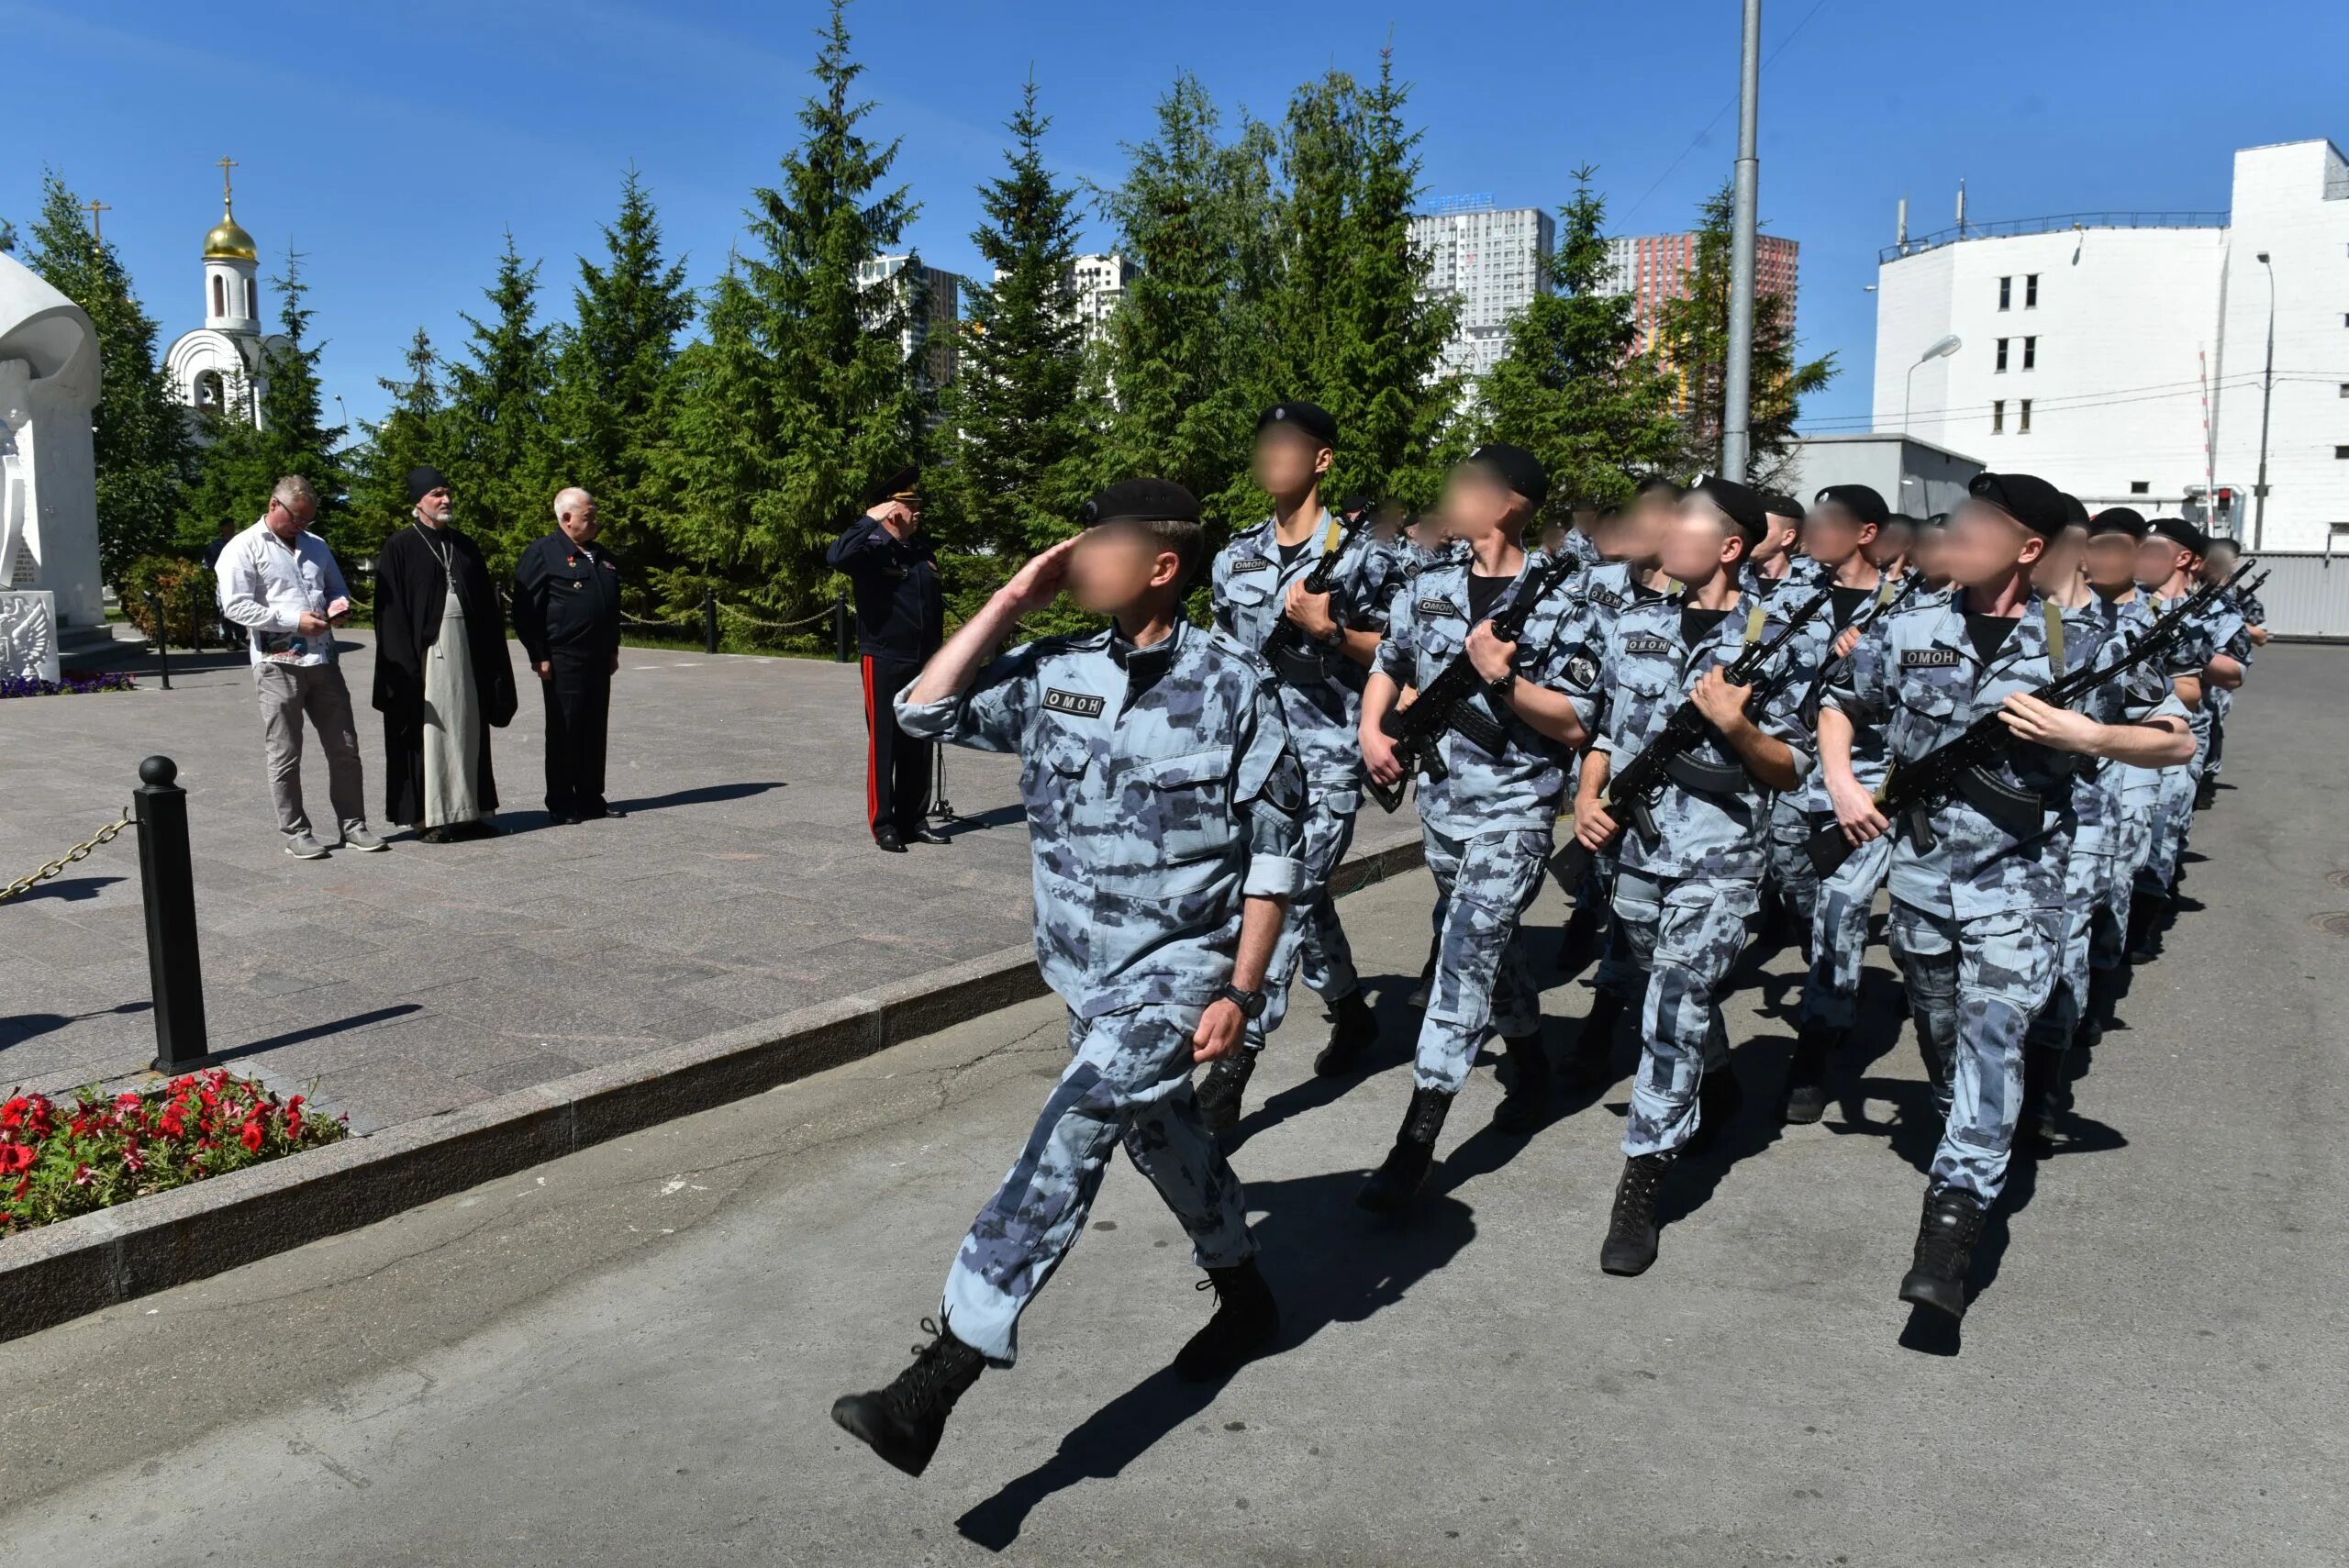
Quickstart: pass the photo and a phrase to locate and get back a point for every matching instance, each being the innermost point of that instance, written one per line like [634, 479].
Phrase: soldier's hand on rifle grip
[1309, 611]
[1722, 705]
[2057, 729]
[1855, 809]
[1594, 828]
[1378, 757]
[1845, 640]
[1492, 657]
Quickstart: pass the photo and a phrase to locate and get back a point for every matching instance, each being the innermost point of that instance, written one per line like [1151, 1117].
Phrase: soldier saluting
[900, 620]
[1163, 806]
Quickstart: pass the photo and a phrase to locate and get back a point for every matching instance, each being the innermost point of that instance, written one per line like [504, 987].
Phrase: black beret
[1309, 417]
[1780, 504]
[2178, 532]
[1860, 500]
[904, 483]
[2073, 511]
[422, 480]
[1515, 467]
[1656, 481]
[1745, 506]
[1355, 505]
[2117, 520]
[2027, 499]
[1141, 501]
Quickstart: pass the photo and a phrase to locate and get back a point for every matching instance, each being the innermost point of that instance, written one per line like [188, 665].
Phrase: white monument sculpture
[49, 503]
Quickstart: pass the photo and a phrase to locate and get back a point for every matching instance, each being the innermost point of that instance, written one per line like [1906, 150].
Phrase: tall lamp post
[1941, 351]
[2267, 394]
[1737, 382]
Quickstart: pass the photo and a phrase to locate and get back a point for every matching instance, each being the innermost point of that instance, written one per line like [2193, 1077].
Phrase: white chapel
[225, 362]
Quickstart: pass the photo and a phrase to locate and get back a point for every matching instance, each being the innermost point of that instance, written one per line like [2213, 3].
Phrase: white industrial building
[2123, 356]
[1493, 260]
[928, 339]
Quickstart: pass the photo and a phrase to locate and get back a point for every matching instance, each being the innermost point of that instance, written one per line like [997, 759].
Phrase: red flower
[174, 1125]
[253, 1135]
[13, 1112]
[15, 1156]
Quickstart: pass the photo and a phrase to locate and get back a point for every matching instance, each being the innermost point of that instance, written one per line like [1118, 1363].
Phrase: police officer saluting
[567, 616]
[900, 620]
[1163, 806]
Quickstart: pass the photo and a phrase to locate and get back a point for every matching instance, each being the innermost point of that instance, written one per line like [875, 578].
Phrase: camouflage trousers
[1838, 936]
[1974, 986]
[1792, 875]
[2217, 747]
[2089, 876]
[1482, 885]
[1313, 945]
[2172, 819]
[2125, 843]
[1686, 933]
[1129, 1081]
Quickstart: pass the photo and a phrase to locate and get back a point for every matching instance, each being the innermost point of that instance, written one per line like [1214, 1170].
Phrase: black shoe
[2206, 794]
[572, 821]
[929, 835]
[1591, 1063]
[2044, 1076]
[1352, 1031]
[607, 813]
[2145, 916]
[886, 838]
[1419, 992]
[2104, 997]
[1584, 936]
[1807, 1074]
[1946, 1238]
[1630, 1246]
[1245, 1324]
[1396, 1183]
[1527, 1103]
[903, 1422]
[433, 836]
[1222, 1090]
[1720, 1098]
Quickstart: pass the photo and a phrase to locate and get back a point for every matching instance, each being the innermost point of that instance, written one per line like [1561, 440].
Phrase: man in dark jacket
[567, 615]
[900, 621]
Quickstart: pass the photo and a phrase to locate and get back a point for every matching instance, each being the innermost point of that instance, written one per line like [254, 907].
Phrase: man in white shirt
[280, 582]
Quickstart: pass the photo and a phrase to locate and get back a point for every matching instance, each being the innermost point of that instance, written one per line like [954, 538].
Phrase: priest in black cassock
[442, 675]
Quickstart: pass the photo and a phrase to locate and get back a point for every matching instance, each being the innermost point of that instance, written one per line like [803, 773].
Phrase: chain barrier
[78, 853]
[673, 621]
[825, 614]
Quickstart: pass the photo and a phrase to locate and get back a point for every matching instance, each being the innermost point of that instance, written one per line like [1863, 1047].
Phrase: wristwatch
[1501, 688]
[1250, 1003]
[1336, 640]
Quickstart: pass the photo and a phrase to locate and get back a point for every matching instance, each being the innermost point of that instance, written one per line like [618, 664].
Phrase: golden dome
[228, 241]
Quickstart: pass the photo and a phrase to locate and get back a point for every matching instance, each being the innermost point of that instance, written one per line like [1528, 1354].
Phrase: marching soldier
[1896, 542]
[900, 620]
[1487, 824]
[2166, 564]
[2218, 560]
[1976, 897]
[1163, 805]
[1259, 582]
[1685, 897]
[1774, 563]
[567, 617]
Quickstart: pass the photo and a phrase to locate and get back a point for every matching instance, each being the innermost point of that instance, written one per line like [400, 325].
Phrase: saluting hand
[1039, 583]
[1218, 1033]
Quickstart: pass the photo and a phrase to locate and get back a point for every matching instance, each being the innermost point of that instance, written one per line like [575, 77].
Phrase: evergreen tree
[1187, 352]
[1322, 168]
[1693, 333]
[244, 459]
[410, 435]
[500, 460]
[609, 368]
[1022, 438]
[140, 434]
[1570, 390]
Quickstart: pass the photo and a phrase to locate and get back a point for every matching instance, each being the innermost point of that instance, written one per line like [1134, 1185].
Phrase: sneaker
[357, 837]
[303, 847]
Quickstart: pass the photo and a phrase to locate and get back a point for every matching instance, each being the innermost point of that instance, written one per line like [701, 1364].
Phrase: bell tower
[231, 294]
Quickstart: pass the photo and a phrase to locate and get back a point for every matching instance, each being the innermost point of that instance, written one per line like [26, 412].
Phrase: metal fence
[2306, 594]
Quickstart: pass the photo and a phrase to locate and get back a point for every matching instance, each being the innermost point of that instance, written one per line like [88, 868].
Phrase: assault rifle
[1633, 789]
[1287, 649]
[1962, 767]
[1449, 702]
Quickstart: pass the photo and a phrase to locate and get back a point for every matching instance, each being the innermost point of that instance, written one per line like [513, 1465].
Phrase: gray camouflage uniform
[2219, 628]
[2221, 702]
[1161, 793]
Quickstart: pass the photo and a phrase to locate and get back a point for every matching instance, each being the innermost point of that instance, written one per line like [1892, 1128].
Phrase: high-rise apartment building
[1493, 260]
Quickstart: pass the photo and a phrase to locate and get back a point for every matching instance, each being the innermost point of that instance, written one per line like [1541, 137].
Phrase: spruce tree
[608, 370]
[1321, 169]
[410, 435]
[499, 459]
[140, 433]
[1569, 389]
[1020, 437]
[1693, 333]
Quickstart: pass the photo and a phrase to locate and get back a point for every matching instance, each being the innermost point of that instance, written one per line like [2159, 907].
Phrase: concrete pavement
[626, 1355]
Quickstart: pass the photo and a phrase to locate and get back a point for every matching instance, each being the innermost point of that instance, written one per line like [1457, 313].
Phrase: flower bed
[34, 687]
[60, 1160]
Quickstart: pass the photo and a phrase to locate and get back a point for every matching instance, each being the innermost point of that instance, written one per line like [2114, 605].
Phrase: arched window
[209, 391]
[252, 302]
[220, 296]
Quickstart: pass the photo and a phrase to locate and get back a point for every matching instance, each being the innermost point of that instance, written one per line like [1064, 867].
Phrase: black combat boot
[1591, 1063]
[1582, 939]
[1630, 1246]
[1352, 1031]
[1396, 1181]
[2146, 914]
[903, 1422]
[1526, 1102]
[1221, 1092]
[1245, 1324]
[1946, 1238]
[2043, 1079]
[1720, 1099]
[2206, 794]
[1419, 992]
[1806, 1074]
[2104, 998]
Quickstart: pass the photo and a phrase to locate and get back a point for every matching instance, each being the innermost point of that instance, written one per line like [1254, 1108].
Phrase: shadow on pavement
[994, 817]
[1327, 1263]
[707, 795]
[23, 1027]
[67, 889]
[333, 1026]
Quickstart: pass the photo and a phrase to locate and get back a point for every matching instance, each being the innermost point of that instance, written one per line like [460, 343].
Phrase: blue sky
[395, 144]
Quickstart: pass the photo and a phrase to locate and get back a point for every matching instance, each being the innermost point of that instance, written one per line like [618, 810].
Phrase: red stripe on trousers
[872, 754]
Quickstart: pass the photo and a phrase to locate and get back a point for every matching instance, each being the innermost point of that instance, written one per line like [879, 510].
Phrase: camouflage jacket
[2100, 792]
[1523, 787]
[1815, 664]
[1152, 811]
[1642, 671]
[1324, 707]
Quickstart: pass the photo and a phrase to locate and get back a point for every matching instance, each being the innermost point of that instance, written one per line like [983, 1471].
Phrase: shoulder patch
[1582, 666]
[1646, 643]
[1077, 704]
[1929, 659]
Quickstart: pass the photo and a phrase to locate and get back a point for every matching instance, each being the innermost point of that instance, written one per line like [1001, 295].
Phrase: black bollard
[162, 638]
[174, 969]
[840, 628]
[709, 620]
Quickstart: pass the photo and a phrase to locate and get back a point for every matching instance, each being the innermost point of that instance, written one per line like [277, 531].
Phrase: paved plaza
[626, 1355]
[743, 884]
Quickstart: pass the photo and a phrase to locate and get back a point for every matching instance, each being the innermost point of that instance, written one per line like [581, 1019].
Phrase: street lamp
[1939, 350]
[2266, 393]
